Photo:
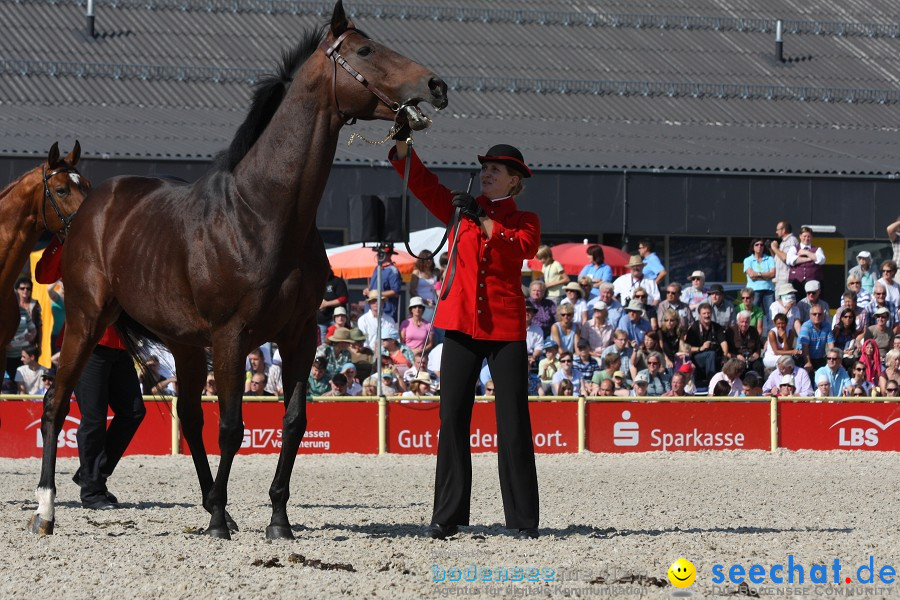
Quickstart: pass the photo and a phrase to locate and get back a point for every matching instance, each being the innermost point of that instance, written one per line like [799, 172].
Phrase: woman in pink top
[414, 330]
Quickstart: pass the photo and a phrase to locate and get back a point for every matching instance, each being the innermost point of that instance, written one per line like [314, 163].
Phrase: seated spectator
[707, 345]
[671, 339]
[760, 270]
[554, 274]
[341, 319]
[679, 381]
[786, 388]
[391, 385]
[653, 267]
[318, 382]
[658, 382]
[870, 358]
[568, 371]
[574, 297]
[640, 356]
[274, 381]
[257, 365]
[549, 365]
[339, 386]
[534, 336]
[401, 356]
[649, 312]
[786, 304]
[369, 322]
[730, 375]
[621, 345]
[28, 376]
[420, 365]
[805, 260]
[622, 388]
[370, 386]
[823, 387]
[781, 342]
[597, 332]
[863, 298]
[744, 343]
[879, 332]
[845, 335]
[611, 364]
[566, 388]
[625, 285]
[892, 388]
[888, 270]
[687, 369]
[816, 338]
[641, 383]
[861, 378]
[210, 389]
[565, 332]
[860, 315]
[785, 365]
[634, 324]
[721, 388]
[695, 295]
[863, 271]
[722, 311]
[614, 309]
[584, 362]
[414, 330]
[597, 270]
[813, 298]
[891, 368]
[836, 374]
[605, 388]
[879, 300]
[336, 350]
[489, 388]
[47, 380]
[421, 386]
[348, 370]
[672, 301]
[361, 355]
[752, 384]
[748, 303]
[545, 309]
[257, 385]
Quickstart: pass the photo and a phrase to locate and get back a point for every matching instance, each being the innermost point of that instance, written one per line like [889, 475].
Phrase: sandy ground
[606, 519]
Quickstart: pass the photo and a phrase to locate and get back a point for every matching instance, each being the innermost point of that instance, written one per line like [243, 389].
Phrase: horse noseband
[332, 53]
[49, 197]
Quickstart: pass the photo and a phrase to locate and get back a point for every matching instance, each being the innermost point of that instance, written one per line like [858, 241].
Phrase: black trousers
[461, 362]
[109, 380]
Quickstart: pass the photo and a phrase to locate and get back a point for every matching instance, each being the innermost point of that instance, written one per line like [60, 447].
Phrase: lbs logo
[857, 437]
[66, 438]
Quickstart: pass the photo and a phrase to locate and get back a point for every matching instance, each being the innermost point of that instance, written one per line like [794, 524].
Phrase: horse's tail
[139, 342]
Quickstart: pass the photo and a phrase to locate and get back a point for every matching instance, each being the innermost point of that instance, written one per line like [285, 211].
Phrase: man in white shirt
[625, 285]
[805, 260]
[368, 323]
[786, 240]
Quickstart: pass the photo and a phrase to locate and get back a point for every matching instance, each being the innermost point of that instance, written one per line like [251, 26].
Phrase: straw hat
[575, 287]
[341, 334]
[635, 261]
[423, 376]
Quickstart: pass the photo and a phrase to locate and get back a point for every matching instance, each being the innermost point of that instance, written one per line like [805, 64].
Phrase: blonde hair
[544, 252]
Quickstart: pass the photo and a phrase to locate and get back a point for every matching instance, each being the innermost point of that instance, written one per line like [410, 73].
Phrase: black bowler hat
[509, 156]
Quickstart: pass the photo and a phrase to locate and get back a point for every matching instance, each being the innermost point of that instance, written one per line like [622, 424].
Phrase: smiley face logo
[682, 573]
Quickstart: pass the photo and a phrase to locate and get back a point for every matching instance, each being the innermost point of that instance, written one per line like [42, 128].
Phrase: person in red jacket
[484, 317]
[109, 380]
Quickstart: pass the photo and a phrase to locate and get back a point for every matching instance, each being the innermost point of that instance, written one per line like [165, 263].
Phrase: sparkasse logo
[625, 432]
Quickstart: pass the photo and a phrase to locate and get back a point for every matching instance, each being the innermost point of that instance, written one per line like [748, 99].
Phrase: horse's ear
[74, 155]
[53, 156]
[339, 22]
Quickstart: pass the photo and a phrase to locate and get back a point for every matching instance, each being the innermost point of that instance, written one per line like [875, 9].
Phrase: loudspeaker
[375, 219]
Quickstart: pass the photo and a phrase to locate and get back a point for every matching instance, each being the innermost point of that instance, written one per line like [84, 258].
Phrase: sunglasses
[854, 283]
[24, 288]
[566, 360]
[859, 369]
[652, 362]
[887, 271]
[489, 389]
[832, 358]
[671, 292]
[746, 297]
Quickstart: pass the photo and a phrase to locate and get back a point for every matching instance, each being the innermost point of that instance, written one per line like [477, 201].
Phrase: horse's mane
[14, 183]
[267, 97]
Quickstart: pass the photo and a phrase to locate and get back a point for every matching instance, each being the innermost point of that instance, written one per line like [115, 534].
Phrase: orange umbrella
[360, 262]
[573, 257]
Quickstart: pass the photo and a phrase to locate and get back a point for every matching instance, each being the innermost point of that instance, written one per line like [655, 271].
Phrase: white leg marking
[46, 498]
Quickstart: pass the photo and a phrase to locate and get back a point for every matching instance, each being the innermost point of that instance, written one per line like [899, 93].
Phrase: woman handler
[484, 317]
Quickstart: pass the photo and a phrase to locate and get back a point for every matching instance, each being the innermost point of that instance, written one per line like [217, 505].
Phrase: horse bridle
[49, 197]
[336, 59]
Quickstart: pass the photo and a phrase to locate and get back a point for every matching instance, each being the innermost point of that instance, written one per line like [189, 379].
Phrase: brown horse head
[64, 189]
[375, 82]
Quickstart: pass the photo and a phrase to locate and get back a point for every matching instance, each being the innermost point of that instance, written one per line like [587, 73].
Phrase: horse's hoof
[218, 532]
[232, 526]
[279, 532]
[39, 526]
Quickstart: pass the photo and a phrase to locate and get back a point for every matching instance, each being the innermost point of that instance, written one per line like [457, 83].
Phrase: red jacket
[485, 300]
[49, 269]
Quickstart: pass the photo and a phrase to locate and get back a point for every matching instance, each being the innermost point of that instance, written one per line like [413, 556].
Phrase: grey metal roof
[683, 84]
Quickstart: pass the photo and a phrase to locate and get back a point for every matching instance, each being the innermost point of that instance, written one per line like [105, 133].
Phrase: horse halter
[332, 53]
[49, 197]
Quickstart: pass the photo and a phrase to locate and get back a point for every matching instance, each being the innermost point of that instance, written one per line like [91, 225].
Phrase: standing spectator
[888, 270]
[673, 301]
[391, 285]
[757, 314]
[422, 282]
[805, 260]
[584, 362]
[369, 323]
[545, 308]
[707, 343]
[336, 295]
[696, 294]
[567, 371]
[744, 342]
[879, 300]
[614, 308]
[731, 375]
[597, 332]
[28, 376]
[24, 337]
[893, 233]
[574, 293]
[760, 270]
[24, 289]
[833, 372]
[786, 367]
[414, 330]
[780, 247]
[554, 274]
[816, 338]
[658, 381]
[813, 298]
[534, 337]
[786, 304]
[679, 380]
[597, 270]
[634, 324]
[722, 311]
[782, 341]
[625, 285]
[863, 270]
[653, 267]
[565, 332]
[863, 298]
[845, 334]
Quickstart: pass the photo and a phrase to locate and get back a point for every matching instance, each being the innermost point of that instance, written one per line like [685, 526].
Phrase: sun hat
[416, 301]
[698, 275]
[575, 287]
[341, 334]
[357, 335]
[340, 310]
[635, 306]
[635, 261]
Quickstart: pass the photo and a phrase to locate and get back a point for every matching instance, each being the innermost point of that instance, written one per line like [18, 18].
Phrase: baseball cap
[812, 286]
[641, 378]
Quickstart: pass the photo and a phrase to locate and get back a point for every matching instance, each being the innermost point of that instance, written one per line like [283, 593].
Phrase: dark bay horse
[233, 260]
[43, 199]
